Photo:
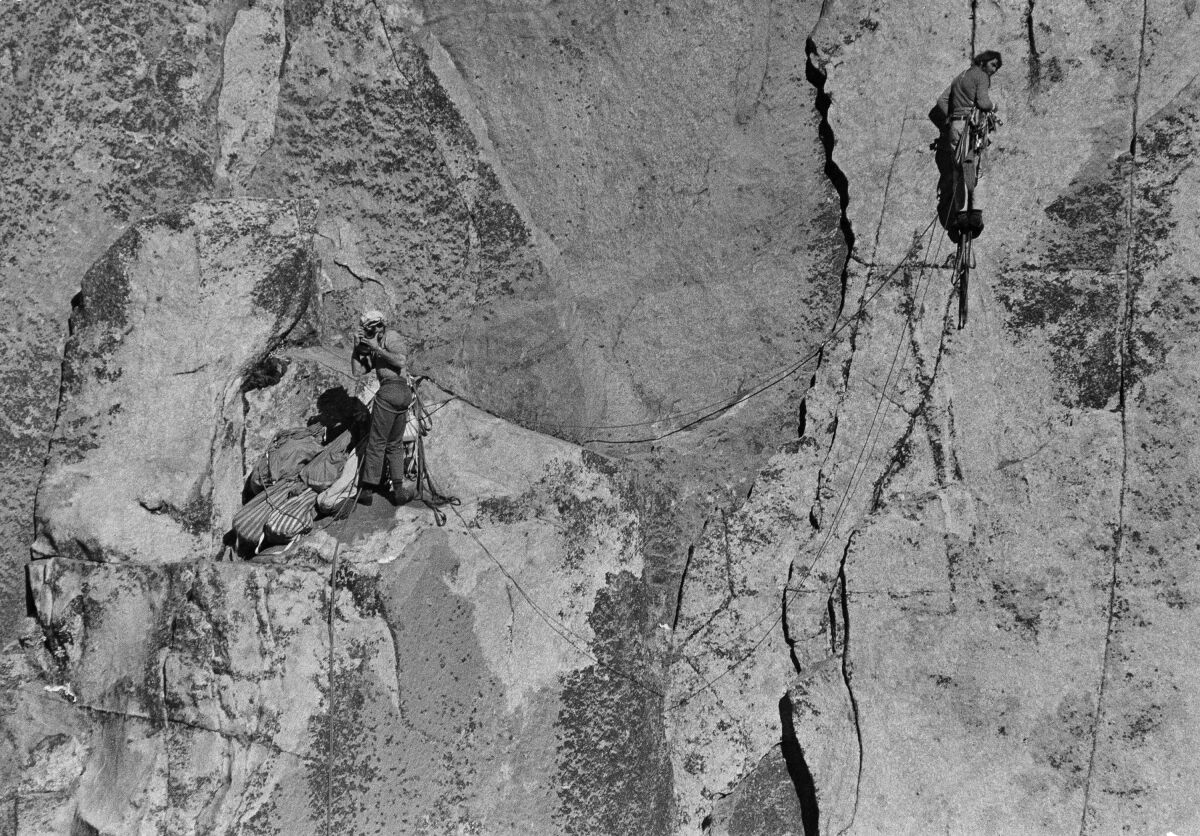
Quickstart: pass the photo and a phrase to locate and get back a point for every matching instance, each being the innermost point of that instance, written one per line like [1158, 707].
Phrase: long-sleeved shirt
[969, 89]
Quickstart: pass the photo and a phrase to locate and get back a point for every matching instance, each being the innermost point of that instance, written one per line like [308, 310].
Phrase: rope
[578, 642]
[331, 746]
[779, 377]
[427, 490]
[561, 630]
[705, 411]
[564, 632]
[789, 594]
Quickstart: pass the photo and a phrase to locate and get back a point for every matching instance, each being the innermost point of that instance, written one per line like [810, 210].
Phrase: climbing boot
[366, 495]
[975, 222]
[397, 494]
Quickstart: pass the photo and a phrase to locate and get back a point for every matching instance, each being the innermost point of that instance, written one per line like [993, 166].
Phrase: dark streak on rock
[1078, 318]
[613, 771]
[1035, 59]
[285, 291]
[265, 374]
[363, 588]
[98, 315]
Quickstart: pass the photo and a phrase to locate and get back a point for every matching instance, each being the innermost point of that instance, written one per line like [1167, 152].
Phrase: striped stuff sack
[293, 515]
[251, 518]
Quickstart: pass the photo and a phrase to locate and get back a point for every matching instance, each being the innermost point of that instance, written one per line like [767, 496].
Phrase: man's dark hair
[988, 55]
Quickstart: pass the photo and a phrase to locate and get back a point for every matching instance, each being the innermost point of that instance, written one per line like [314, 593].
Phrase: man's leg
[972, 220]
[373, 455]
[969, 178]
[944, 157]
[964, 169]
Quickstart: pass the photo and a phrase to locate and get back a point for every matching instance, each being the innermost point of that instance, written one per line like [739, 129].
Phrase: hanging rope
[434, 498]
[579, 642]
[427, 491]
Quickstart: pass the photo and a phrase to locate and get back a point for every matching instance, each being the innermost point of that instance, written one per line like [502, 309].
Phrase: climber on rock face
[380, 349]
[966, 95]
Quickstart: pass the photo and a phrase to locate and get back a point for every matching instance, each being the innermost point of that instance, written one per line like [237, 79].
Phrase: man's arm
[395, 358]
[359, 360]
[982, 84]
[939, 114]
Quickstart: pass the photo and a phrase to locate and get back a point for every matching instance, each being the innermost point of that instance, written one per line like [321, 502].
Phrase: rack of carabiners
[972, 147]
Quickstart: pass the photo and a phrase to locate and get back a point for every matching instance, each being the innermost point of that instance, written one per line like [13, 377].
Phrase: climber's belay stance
[965, 114]
[379, 348]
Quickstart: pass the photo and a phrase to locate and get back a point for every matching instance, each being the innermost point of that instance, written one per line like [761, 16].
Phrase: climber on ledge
[378, 348]
[964, 109]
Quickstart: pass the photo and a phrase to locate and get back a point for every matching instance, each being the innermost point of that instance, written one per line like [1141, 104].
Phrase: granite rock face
[147, 454]
[104, 119]
[458, 677]
[931, 580]
[1008, 630]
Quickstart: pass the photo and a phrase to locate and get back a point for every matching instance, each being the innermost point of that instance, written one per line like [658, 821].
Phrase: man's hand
[369, 344]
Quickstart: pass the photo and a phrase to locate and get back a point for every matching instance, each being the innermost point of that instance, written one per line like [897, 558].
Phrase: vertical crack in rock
[848, 676]
[1035, 59]
[1124, 359]
[952, 432]
[887, 186]
[683, 580]
[206, 487]
[729, 572]
[512, 617]
[749, 96]
[899, 456]
[837, 178]
[841, 184]
[797, 769]
[940, 438]
[43, 545]
[974, 24]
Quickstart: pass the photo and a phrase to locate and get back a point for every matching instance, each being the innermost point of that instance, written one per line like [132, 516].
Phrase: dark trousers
[956, 180]
[385, 441]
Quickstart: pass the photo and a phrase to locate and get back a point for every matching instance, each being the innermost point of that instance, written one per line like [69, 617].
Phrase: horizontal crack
[244, 740]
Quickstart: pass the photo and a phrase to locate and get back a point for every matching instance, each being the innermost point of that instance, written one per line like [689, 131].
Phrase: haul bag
[326, 467]
[248, 522]
[293, 516]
